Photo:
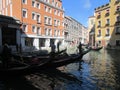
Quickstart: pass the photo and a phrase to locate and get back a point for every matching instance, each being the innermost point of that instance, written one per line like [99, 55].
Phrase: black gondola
[65, 59]
[96, 48]
[29, 56]
[34, 63]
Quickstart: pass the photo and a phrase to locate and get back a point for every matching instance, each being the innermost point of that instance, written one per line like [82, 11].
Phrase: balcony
[98, 26]
[118, 11]
[117, 33]
[98, 35]
[107, 24]
[107, 35]
[117, 23]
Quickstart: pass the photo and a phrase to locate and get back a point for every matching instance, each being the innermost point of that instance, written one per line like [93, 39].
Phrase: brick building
[42, 21]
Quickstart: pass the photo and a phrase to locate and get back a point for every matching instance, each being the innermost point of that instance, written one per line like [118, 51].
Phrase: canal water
[99, 70]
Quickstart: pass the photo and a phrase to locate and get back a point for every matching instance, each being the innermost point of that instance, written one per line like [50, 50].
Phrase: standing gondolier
[80, 48]
[53, 47]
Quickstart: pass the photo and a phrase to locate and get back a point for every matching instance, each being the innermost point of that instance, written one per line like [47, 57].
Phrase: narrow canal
[99, 71]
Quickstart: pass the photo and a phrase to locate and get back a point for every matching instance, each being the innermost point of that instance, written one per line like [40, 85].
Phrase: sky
[80, 10]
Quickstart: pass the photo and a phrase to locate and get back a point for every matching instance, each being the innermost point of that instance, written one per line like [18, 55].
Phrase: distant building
[42, 21]
[107, 24]
[75, 32]
[91, 30]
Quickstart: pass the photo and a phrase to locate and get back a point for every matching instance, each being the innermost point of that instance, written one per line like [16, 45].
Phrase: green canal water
[98, 71]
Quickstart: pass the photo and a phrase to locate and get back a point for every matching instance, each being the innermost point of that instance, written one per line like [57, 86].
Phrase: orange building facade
[42, 21]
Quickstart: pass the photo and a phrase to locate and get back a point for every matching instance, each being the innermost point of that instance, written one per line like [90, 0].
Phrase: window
[29, 41]
[108, 21]
[55, 22]
[38, 30]
[118, 18]
[38, 5]
[99, 33]
[38, 18]
[117, 30]
[58, 22]
[49, 21]
[33, 29]
[107, 32]
[56, 4]
[58, 13]
[24, 1]
[55, 32]
[107, 13]
[45, 20]
[24, 28]
[49, 32]
[99, 23]
[24, 12]
[46, 31]
[118, 8]
[42, 42]
[55, 12]
[99, 15]
[33, 3]
[49, 10]
[33, 16]
[58, 32]
[46, 9]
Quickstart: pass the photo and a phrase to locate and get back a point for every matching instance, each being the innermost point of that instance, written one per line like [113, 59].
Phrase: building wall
[91, 30]
[76, 32]
[103, 13]
[15, 8]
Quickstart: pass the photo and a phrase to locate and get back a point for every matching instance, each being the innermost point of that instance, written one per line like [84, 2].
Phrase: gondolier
[53, 47]
[80, 48]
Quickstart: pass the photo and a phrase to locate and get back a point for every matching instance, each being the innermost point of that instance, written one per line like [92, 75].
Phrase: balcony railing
[107, 24]
[98, 35]
[117, 33]
[107, 35]
[117, 23]
[117, 11]
[98, 26]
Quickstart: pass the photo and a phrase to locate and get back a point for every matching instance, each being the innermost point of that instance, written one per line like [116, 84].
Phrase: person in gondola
[80, 48]
[58, 46]
[6, 54]
[53, 47]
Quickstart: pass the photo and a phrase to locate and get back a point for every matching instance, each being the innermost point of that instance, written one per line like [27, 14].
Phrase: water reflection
[98, 71]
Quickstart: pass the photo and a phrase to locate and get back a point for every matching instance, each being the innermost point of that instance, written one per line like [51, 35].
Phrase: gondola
[33, 55]
[96, 48]
[14, 67]
[32, 64]
[22, 67]
[65, 59]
